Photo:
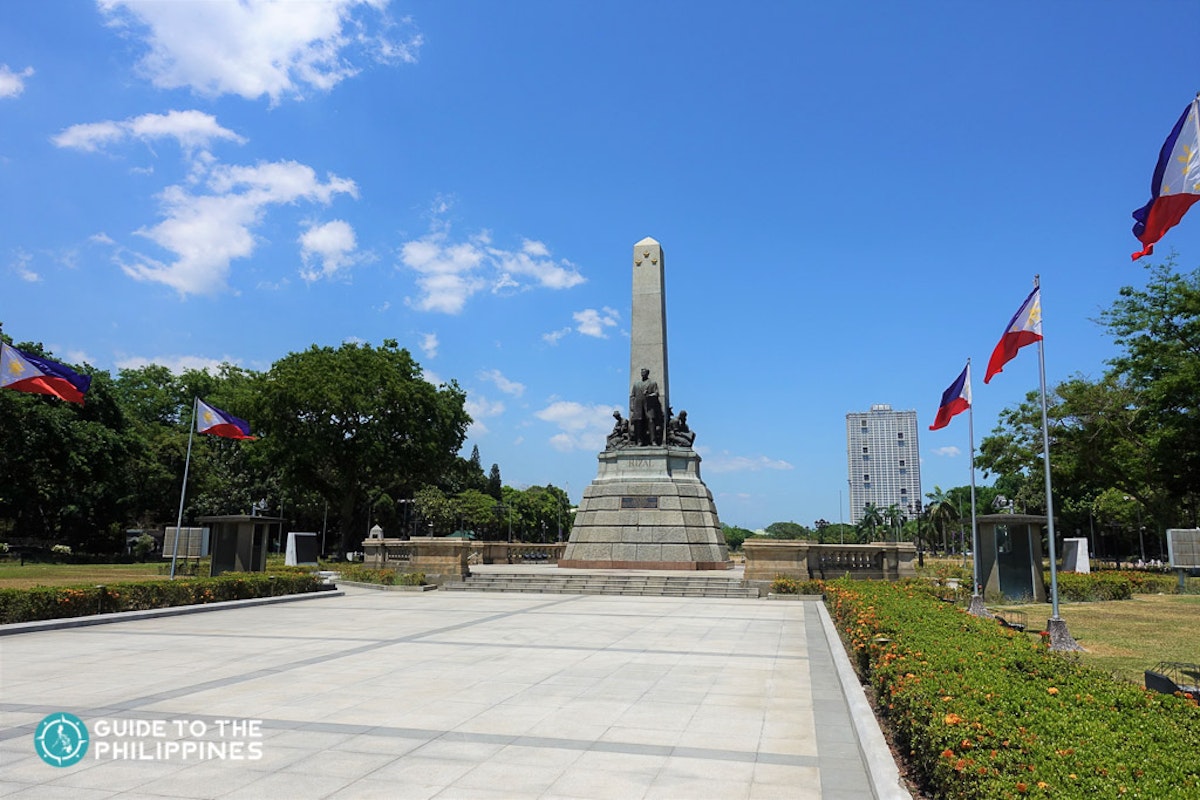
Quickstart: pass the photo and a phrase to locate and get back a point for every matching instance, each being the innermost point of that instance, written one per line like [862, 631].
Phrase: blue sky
[852, 199]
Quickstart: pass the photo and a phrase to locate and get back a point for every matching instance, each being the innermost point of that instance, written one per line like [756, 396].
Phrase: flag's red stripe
[1006, 350]
[1164, 214]
[227, 430]
[46, 384]
[955, 406]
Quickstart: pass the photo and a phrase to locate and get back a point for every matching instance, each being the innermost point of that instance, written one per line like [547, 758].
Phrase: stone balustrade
[803, 560]
[443, 559]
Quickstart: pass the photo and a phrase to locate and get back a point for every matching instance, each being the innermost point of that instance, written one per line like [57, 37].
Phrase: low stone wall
[441, 560]
[768, 559]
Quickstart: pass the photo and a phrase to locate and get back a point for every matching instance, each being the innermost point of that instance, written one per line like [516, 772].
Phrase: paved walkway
[449, 695]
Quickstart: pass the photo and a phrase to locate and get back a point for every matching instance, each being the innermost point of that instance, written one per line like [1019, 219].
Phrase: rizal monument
[648, 507]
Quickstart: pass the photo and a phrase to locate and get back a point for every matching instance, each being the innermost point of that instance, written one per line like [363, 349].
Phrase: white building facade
[883, 459]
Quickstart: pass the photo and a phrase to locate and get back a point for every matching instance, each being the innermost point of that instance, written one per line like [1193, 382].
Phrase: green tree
[495, 487]
[734, 536]
[788, 530]
[892, 515]
[871, 519]
[64, 468]
[436, 514]
[474, 511]
[358, 421]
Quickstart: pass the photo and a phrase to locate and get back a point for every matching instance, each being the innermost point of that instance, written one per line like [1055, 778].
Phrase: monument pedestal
[647, 509]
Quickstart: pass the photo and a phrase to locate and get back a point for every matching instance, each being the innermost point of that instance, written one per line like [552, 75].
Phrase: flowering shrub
[385, 577]
[57, 602]
[785, 585]
[985, 712]
[61, 550]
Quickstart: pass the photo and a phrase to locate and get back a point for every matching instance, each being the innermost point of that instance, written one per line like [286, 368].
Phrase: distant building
[883, 460]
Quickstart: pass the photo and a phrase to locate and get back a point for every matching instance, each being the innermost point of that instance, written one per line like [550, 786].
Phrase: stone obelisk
[648, 325]
[648, 507]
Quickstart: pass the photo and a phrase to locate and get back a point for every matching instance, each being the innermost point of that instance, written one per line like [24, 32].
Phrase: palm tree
[892, 515]
[942, 511]
[872, 517]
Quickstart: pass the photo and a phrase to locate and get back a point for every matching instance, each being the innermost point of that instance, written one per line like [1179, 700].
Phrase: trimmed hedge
[58, 602]
[984, 712]
[385, 577]
[1110, 585]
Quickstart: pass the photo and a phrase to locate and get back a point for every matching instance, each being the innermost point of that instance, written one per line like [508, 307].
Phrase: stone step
[633, 585]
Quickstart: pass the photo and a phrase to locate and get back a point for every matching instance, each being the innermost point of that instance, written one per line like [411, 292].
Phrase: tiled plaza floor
[446, 695]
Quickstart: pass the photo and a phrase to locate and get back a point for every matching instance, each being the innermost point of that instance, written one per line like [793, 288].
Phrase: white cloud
[593, 322]
[449, 273]
[479, 407]
[21, 265]
[502, 383]
[257, 48]
[193, 130]
[950, 451]
[13, 83]
[446, 272]
[533, 261]
[553, 336]
[727, 462]
[429, 345]
[331, 246]
[581, 427]
[206, 232]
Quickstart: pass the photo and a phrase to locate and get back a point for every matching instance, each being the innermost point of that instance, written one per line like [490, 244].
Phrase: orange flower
[952, 719]
[1042, 785]
[1022, 788]
[947, 753]
[1052, 690]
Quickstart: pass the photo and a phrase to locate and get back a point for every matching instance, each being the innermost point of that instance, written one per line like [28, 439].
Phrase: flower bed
[985, 712]
[384, 577]
[58, 602]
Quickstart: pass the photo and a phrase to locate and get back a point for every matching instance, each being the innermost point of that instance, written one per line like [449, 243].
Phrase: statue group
[647, 425]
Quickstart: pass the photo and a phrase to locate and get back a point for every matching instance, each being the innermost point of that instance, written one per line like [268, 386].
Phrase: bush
[985, 712]
[386, 577]
[785, 585]
[59, 602]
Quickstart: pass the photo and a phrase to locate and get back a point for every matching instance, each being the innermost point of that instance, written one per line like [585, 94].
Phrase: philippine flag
[1176, 183]
[955, 400]
[212, 420]
[1024, 328]
[26, 372]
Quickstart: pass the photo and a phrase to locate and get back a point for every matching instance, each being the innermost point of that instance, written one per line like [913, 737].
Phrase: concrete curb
[881, 766]
[173, 611]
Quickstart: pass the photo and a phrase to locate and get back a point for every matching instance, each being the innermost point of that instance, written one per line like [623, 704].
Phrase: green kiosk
[238, 542]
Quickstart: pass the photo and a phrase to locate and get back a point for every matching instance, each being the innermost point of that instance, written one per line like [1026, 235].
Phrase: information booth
[1010, 556]
[238, 542]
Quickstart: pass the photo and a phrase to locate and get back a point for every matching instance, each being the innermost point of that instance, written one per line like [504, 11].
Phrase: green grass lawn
[14, 575]
[1126, 637]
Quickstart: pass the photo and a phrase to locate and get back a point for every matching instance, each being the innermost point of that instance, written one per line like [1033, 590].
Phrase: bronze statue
[678, 432]
[621, 435]
[645, 411]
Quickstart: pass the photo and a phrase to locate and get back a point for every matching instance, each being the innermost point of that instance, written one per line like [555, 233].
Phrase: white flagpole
[1060, 638]
[183, 489]
[977, 606]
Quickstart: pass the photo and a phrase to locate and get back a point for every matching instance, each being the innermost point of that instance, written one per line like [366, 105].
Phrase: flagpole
[977, 606]
[1060, 638]
[183, 489]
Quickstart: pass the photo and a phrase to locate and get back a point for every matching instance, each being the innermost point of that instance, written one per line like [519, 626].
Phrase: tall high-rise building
[883, 460]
